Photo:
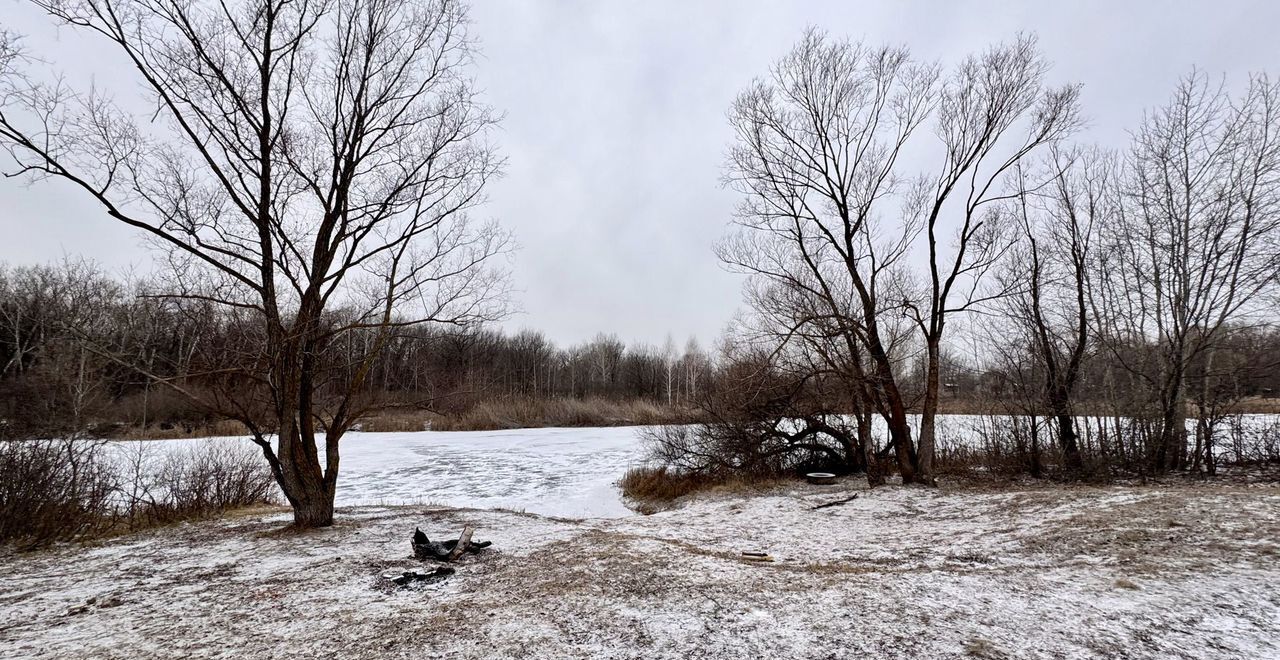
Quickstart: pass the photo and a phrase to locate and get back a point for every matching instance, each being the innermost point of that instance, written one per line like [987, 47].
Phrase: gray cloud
[615, 129]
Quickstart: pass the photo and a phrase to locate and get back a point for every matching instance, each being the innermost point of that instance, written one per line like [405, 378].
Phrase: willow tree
[834, 211]
[307, 166]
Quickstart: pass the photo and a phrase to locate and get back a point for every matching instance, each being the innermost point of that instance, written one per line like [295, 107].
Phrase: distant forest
[72, 339]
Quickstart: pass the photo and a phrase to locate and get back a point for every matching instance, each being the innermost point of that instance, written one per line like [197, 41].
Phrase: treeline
[82, 352]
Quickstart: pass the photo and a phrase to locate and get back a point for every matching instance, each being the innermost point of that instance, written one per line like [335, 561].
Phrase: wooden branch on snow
[435, 575]
[836, 503]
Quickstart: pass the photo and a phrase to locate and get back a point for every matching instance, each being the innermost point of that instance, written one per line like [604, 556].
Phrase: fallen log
[463, 544]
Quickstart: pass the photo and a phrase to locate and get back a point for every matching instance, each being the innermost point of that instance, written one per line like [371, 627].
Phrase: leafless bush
[53, 490]
[1249, 443]
[70, 489]
[992, 448]
[764, 448]
[193, 482]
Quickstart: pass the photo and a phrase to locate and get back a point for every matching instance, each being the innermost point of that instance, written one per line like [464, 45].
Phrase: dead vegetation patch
[652, 489]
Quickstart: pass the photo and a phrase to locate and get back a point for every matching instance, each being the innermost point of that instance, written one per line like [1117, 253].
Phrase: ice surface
[565, 472]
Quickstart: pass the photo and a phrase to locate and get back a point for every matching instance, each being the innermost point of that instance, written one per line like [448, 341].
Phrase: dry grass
[661, 485]
[525, 412]
[507, 413]
[653, 489]
[978, 647]
[1123, 583]
[220, 428]
[400, 421]
[1258, 404]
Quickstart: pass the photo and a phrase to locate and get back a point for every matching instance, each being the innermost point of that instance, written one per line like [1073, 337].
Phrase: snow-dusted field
[1187, 571]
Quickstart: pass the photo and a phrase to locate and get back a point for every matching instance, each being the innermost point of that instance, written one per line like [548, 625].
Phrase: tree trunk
[900, 436]
[314, 512]
[894, 412]
[309, 490]
[1037, 467]
[866, 442]
[1068, 442]
[1172, 443]
[928, 416]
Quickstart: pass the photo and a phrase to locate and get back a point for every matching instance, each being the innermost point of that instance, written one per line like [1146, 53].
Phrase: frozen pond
[568, 472]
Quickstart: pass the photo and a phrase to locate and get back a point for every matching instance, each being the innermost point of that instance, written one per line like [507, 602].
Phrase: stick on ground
[836, 503]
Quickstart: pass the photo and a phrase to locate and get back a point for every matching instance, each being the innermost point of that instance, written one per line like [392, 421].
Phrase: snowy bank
[1138, 572]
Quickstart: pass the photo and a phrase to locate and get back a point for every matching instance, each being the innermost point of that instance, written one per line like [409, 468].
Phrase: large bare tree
[995, 112]
[307, 165]
[1196, 241]
[834, 212]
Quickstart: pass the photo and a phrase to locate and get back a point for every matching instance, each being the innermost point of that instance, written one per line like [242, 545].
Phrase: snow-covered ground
[1187, 571]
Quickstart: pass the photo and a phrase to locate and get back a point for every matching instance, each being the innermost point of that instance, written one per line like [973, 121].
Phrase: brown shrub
[194, 482]
[654, 488]
[660, 484]
[53, 490]
[400, 422]
[168, 431]
[529, 412]
[72, 489]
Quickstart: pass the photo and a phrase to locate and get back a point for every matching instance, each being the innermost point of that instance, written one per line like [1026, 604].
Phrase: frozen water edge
[565, 472]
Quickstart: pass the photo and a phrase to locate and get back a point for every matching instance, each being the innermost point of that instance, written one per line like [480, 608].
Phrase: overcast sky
[615, 129]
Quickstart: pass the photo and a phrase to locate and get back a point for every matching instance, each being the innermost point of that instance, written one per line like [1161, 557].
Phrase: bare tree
[818, 158]
[1196, 241]
[669, 358]
[994, 113]
[817, 146]
[308, 165]
[1051, 273]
